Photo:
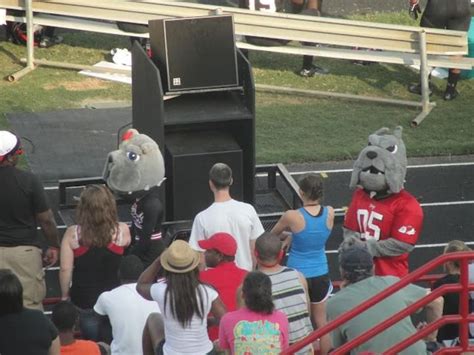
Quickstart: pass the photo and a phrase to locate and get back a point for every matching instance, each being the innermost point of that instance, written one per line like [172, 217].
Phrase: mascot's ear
[354, 176]
[382, 131]
[129, 134]
[397, 132]
[147, 147]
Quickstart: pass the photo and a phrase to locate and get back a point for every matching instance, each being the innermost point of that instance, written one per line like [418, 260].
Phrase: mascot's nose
[110, 159]
[371, 154]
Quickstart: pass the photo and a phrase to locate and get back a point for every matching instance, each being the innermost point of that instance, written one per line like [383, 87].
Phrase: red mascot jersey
[398, 216]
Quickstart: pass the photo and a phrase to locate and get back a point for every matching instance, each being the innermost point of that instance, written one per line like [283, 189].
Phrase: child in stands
[256, 328]
[65, 317]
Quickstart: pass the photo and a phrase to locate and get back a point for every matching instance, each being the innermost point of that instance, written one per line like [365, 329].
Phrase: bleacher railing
[426, 47]
[463, 318]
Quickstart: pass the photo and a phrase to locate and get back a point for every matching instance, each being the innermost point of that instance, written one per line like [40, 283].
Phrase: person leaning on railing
[359, 284]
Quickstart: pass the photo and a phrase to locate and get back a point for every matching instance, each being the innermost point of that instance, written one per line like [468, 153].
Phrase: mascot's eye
[133, 156]
[369, 143]
[392, 149]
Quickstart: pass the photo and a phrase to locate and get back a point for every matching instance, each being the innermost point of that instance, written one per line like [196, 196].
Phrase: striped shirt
[289, 297]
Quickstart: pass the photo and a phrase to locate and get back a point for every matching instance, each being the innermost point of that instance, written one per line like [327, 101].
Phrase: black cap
[356, 258]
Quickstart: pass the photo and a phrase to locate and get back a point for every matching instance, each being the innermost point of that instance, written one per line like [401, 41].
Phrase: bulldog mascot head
[381, 166]
[135, 171]
[382, 215]
[136, 166]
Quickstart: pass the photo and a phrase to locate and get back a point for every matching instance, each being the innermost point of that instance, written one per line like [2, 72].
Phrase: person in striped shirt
[289, 288]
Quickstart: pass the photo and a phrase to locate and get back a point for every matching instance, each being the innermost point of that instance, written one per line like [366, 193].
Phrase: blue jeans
[89, 324]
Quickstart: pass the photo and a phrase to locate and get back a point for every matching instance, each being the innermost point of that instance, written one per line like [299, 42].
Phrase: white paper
[125, 78]
[3, 17]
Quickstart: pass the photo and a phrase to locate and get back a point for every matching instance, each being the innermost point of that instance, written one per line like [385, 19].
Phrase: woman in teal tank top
[310, 228]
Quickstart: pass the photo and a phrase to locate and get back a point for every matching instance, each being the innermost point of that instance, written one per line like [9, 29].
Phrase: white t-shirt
[237, 218]
[190, 340]
[128, 312]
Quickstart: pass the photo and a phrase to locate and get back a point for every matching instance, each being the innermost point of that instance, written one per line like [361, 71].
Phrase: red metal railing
[463, 287]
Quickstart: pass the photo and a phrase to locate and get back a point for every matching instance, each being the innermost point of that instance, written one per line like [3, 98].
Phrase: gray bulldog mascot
[134, 172]
[382, 214]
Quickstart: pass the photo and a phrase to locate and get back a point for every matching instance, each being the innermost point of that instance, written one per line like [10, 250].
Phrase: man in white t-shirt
[126, 309]
[227, 215]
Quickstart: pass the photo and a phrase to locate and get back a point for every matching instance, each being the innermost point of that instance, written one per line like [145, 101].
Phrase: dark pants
[89, 324]
[147, 250]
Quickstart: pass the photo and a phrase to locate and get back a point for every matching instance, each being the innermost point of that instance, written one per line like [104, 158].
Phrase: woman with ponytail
[310, 227]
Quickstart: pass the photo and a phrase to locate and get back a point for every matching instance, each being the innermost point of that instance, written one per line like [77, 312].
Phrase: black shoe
[416, 89]
[451, 93]
[312, 71]
[47, 42]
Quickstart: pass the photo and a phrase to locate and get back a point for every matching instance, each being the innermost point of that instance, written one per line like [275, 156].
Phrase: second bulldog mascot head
[382, 215]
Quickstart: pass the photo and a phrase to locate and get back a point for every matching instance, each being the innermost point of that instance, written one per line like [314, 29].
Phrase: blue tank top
[308, 253]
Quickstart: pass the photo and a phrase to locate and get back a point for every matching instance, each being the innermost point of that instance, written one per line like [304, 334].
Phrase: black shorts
[447, 14]
[319, 288]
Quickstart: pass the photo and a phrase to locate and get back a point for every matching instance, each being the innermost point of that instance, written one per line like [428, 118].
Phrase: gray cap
[356, 258]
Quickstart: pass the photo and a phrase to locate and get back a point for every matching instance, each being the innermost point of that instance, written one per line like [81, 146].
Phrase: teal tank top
[308, 247]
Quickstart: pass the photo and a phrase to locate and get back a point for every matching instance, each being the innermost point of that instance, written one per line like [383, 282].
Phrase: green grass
[289, 128]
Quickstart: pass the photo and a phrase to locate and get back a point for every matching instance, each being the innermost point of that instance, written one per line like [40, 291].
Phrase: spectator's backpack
[16, 31]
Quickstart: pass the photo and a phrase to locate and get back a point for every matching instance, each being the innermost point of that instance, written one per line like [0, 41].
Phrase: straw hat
[179, 257]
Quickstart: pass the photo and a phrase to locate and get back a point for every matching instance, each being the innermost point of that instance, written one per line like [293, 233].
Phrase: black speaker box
[189, 157]
[194, 54]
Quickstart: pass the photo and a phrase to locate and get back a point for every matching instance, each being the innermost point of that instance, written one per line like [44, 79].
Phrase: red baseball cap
[222, 242]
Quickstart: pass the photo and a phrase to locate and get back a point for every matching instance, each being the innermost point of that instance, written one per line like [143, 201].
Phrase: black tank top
[95, 271]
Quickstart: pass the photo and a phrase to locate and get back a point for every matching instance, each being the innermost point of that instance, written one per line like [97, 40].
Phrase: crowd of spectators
[227, 289]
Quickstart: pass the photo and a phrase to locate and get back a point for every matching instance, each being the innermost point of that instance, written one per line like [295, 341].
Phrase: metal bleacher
[340, 39]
